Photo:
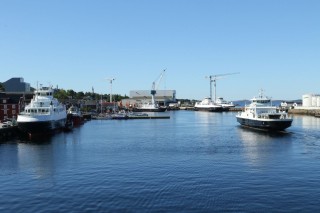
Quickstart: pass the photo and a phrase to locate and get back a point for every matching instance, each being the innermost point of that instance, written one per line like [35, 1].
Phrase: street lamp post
[111, 80]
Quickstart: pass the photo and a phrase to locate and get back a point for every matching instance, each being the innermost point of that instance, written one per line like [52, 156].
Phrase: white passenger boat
[44, 113]
[149, 107]
[207, 105]
[263, 115]
[226, 105]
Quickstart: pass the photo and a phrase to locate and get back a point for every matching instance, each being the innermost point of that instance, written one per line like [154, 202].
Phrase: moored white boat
[44, 113]
[207, 105]
[75, 115]
[226, 105]
[263, 115]
[149, 107]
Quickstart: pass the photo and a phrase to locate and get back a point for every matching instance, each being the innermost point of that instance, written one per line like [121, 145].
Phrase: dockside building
[163, 97]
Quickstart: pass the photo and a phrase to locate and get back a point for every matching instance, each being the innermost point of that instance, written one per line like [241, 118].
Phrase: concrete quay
[304, 111]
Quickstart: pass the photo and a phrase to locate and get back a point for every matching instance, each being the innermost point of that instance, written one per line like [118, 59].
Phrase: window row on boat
[42, 110]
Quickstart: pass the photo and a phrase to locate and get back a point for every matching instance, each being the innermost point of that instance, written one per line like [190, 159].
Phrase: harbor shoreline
[311, 112]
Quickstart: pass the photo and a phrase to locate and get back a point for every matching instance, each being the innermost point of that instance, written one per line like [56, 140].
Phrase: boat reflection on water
[261, 147]
[307, 122]
[37, 158]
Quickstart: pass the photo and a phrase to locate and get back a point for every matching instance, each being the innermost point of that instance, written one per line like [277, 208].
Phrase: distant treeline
[62, 94]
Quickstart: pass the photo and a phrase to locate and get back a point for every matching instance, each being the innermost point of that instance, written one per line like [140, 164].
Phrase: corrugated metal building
[163, 97]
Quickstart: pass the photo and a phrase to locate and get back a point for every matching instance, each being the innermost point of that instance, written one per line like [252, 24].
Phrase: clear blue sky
[76, 44]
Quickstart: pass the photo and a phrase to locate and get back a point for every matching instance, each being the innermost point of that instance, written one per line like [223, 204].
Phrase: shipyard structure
[138, 97]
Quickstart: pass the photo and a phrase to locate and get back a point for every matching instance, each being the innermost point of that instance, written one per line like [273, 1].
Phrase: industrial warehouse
[137, 97]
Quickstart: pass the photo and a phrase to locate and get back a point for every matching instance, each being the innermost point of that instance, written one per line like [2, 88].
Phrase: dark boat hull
[41, 127]
[160, 109]
[77, 120]
[209, 109]
[278, 124]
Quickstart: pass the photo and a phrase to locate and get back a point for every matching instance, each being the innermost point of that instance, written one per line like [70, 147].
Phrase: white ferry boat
[261, 114]
[149, 107]
[207, 105]
[225, 104]
[44, 113]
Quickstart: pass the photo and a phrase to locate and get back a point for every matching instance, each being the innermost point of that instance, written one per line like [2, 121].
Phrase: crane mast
[155, 86]
[214, 78]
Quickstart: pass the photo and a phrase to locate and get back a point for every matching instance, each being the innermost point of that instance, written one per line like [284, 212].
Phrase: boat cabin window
[261, 101]
[44, 94]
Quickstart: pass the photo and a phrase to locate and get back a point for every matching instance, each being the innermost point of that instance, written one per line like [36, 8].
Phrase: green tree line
[62, 94]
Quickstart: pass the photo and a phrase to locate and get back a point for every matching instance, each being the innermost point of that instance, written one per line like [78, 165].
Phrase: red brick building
[8, 109]
[11, 104]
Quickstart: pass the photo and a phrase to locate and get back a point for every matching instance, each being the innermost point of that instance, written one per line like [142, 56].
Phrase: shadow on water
[261, 148]
[35, 139]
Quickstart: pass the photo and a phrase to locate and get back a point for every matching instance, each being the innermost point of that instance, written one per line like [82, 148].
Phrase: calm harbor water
[192, 162]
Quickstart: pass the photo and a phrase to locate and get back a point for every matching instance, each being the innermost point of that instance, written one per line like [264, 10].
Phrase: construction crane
[155, 85]
[214, 78]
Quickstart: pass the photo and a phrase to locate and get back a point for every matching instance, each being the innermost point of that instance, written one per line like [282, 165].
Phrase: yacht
[261, 114]
[43, 114]
[207, 105]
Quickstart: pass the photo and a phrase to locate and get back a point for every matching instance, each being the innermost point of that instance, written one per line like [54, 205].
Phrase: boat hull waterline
[209, 109]
[42, 127]
[160, 109]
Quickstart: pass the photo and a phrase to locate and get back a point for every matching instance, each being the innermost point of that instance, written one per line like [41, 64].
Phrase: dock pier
[149, 117]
